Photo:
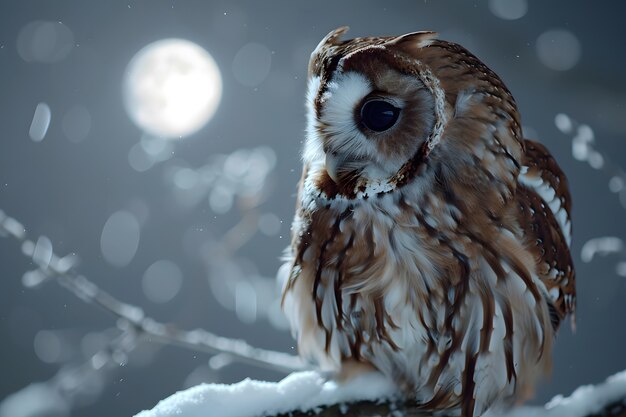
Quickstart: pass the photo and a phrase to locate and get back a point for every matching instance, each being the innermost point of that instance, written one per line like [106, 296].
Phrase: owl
[431, 239]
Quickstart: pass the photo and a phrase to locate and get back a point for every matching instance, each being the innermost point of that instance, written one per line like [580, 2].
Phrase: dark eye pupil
[379, 115]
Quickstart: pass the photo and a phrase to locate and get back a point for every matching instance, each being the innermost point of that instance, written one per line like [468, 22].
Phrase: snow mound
[298, 391]
[309, 390]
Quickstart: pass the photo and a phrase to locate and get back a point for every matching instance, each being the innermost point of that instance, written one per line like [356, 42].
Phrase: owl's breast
[398, 284]
[359, 271]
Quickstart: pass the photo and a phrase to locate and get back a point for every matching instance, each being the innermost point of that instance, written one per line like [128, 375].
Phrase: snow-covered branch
[310, 394]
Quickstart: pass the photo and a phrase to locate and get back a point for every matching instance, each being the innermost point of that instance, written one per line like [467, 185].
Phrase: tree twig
[131, 318]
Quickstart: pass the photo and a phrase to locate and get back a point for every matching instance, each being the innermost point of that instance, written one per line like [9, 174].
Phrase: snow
[298, 391]
[584, 401]
[310, 390]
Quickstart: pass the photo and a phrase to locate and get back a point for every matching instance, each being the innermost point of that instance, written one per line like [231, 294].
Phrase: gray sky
[172, 245]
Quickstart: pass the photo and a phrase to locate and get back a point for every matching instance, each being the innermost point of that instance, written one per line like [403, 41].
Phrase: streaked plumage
[436, 250]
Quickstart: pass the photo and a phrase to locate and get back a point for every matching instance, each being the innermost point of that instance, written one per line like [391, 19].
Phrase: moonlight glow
[172, 88]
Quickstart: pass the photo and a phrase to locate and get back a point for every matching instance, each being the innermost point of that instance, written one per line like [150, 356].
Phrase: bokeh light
[45, 41]
[245, 302]
[252, 64]
[150, 150]
[559, 49]
[76, 123]
[41, 122]
[563, 123]
[243, 173]
[172, 88]
[509, 9]
[138, 159]
[162, 281]
[48, 346]
[269, 224]
[120, 238]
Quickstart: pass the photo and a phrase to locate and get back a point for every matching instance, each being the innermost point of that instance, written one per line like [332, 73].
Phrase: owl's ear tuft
[332, 38]
[329, 40]
[412, 41]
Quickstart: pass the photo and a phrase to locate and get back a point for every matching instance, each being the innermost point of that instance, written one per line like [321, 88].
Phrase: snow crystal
[584, 401]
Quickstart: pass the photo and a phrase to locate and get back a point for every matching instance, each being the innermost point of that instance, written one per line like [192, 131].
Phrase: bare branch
[132, 319]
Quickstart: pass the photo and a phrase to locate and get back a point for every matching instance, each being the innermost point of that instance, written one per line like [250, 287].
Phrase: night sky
[191, 229]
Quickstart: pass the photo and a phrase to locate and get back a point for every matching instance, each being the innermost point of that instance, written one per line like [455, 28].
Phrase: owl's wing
[545, 204]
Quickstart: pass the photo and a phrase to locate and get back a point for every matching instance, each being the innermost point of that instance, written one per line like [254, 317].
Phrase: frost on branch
[82, 377]
[309, 394]
[75, 383]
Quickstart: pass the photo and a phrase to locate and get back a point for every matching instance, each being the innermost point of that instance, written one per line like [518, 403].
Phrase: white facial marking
[336, 131]
[312, 146]
[344, 93]
[344, 139]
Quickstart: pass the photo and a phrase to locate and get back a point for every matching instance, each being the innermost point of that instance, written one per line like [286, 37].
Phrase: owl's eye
[379, 115]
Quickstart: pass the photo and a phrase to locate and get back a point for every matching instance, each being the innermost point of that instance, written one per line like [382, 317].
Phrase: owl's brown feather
[544, 233]
[429, 253]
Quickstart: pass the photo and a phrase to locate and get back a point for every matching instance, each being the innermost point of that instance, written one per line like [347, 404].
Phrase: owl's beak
[332, 166]
[340, 167]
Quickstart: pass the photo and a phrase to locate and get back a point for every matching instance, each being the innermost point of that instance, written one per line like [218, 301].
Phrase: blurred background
[169, 169]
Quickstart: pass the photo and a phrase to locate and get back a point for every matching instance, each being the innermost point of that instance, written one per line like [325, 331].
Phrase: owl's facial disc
[375, 115]
[367, 119]
[337, 132]
[361, 127]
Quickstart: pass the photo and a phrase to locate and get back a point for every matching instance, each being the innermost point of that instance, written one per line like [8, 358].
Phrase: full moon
[172, 88]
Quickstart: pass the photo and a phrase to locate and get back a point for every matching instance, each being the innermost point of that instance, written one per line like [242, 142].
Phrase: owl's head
[381, 109]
